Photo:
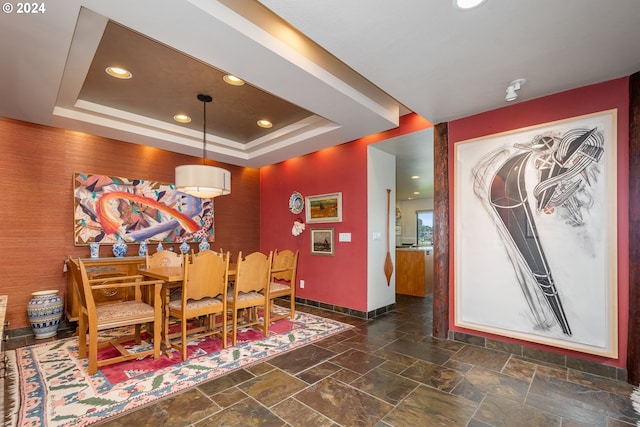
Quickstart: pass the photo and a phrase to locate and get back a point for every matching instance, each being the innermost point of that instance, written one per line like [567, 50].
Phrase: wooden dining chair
[250, 292]
[164, 259]
[170, 290]
[283, 281]
[204, 295]
[93, 318]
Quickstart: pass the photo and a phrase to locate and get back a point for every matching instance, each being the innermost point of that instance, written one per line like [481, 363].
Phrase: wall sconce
[512, 88]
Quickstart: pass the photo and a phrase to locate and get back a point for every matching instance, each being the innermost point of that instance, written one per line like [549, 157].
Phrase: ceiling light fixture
[264, 123]
[203, 181]
[233, 80]
[118, 73]
[467, 4]
[182, 118]
[415, 177]
[512, 88]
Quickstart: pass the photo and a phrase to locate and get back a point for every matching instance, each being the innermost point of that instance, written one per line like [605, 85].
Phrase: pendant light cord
[204, 133]
[204, 98]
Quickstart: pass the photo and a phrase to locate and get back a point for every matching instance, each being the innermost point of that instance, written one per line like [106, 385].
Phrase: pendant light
[203, 181]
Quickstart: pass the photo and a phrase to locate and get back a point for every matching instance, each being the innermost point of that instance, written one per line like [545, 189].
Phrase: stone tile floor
[390, 371]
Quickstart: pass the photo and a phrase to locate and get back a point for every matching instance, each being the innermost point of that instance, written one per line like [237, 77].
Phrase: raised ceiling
[329, 71]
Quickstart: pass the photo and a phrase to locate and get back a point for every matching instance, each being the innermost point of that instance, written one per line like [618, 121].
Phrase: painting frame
[498, 287]
[316, 210]
[323, 241]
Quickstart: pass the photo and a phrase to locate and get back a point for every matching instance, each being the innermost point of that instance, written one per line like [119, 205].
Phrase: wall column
[441, 231]
[633, 349]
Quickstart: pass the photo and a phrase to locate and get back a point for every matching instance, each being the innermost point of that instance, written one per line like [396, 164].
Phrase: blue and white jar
[119, 248]
[204, 245]
[44, 312]
[184, 247]
[94, 249]
[159, 247]
[142, 250]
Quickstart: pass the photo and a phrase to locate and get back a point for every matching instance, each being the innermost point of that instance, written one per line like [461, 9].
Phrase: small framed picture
[322, 242]
[324, 208]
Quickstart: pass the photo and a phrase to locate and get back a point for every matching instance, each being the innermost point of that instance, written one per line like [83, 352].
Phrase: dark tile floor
[390, 371]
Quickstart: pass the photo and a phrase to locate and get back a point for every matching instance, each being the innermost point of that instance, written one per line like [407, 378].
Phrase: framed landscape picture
[536, 234]
[322, 241]
[324, 208]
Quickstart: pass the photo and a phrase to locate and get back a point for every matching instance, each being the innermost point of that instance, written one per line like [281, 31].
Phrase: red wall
[585, 100]
[342, 279]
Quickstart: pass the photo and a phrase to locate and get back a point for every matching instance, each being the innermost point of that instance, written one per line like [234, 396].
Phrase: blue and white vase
[94, 249]
[204, 245]
[44, 312]
[142, 250]
[119, 248]
[184, 247]
[159, 247]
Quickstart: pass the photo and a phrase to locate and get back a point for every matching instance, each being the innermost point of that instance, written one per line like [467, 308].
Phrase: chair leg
[138, 328]
[265, 319]
[183, 325]
[223, 331]
[82, 336]
[93, 351]
[234, 326]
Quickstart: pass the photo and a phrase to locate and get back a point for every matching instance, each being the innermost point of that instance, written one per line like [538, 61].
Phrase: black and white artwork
[535, 234]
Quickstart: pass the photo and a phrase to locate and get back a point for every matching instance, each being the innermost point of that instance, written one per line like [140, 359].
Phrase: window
[424, 228]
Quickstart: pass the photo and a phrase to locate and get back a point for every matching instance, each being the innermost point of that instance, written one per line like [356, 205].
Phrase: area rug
[56, 390]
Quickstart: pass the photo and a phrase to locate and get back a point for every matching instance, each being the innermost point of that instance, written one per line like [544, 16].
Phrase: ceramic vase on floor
[44, 312]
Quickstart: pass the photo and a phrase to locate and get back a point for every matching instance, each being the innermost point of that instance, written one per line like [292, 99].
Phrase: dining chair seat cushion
[192, 304]
[125, 309]
[279, 287]
[243, 296]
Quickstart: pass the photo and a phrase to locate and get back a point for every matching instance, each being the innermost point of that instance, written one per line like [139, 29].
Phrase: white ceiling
[438, 61]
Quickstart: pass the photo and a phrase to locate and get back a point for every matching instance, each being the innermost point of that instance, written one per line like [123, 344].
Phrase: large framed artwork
[535, 234]
[324, 208]
[107, 207]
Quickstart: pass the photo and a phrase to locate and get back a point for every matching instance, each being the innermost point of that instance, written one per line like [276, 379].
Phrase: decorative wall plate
[296, 203]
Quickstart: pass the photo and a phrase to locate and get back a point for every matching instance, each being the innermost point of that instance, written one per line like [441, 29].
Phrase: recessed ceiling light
[265, 123]
[233, 80]
[467, 4]
[119, 73]
[415, 177]
[182, 118]
[416, 193]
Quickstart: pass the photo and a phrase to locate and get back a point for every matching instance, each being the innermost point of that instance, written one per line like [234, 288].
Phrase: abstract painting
[535, 234]
[107, 207]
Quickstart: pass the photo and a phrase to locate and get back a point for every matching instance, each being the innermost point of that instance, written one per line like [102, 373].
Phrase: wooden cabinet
[414, 271]
[98, 268]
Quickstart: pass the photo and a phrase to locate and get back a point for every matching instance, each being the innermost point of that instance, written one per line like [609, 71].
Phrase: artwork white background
[488, 295]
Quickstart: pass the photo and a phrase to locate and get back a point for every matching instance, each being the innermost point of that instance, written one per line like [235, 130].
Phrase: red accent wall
[613, 94]
[341, 279]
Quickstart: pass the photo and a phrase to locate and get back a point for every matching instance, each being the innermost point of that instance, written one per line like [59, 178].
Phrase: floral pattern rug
[56, 390]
